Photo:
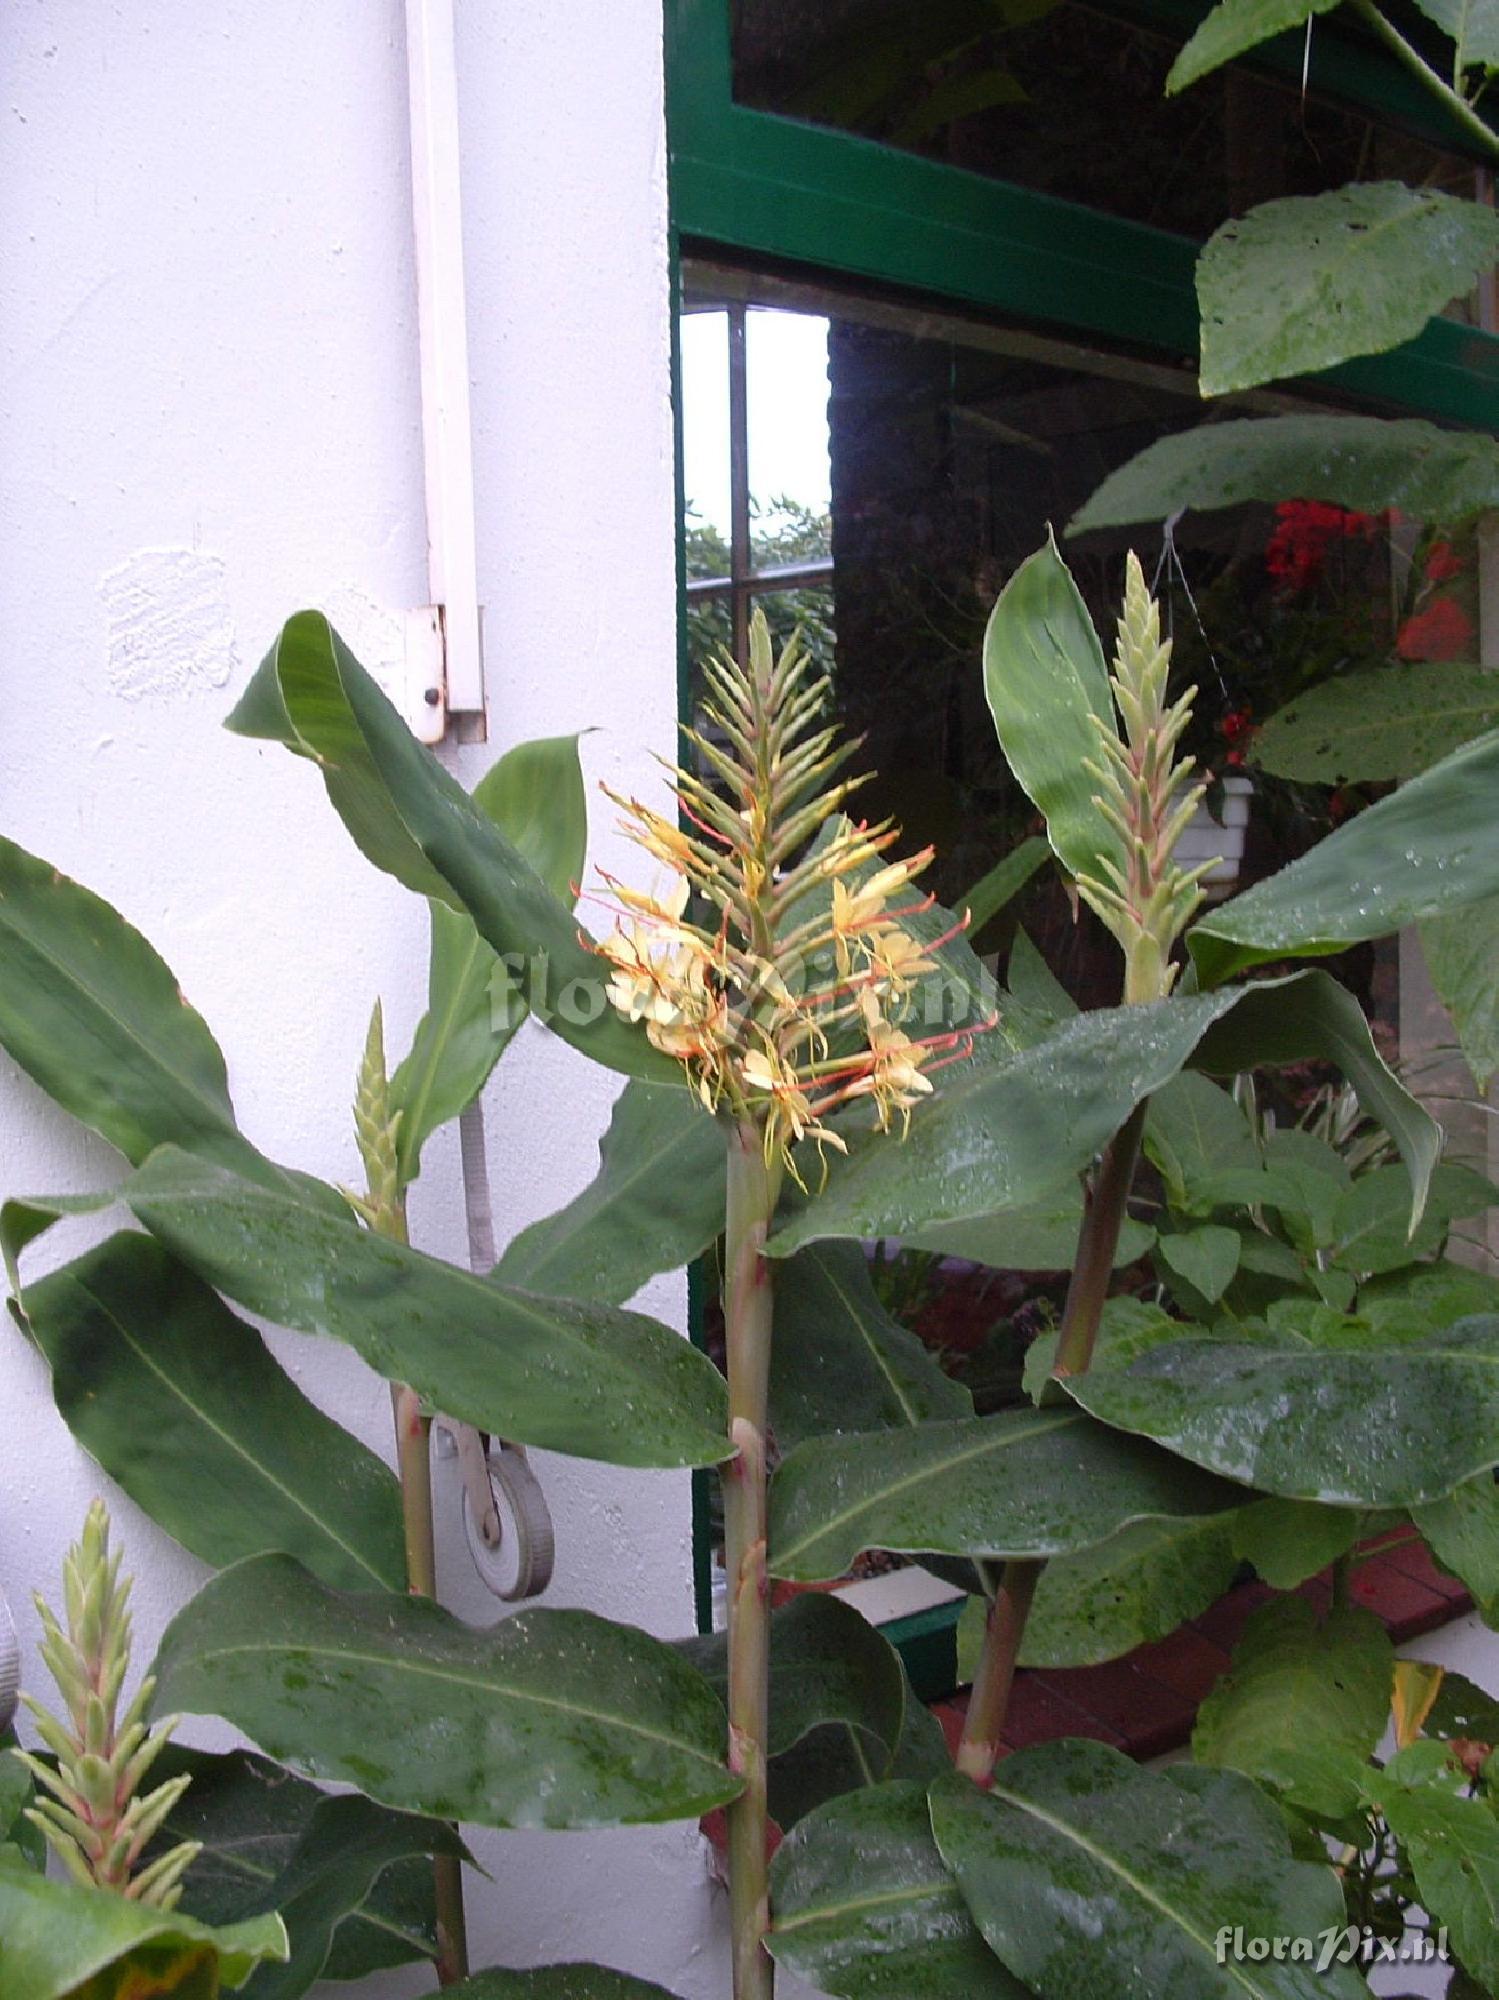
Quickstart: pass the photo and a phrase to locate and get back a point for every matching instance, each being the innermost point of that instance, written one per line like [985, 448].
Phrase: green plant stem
[1456, 104]
[748, 1305]
[1342, 1570]
[414, 1463]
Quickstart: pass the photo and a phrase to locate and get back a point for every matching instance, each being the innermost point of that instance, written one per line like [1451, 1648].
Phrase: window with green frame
[991, 351]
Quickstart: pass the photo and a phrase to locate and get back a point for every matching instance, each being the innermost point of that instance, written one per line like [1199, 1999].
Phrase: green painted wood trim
[927, 1642]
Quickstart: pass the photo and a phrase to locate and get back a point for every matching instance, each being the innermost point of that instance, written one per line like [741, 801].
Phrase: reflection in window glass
[949, 446]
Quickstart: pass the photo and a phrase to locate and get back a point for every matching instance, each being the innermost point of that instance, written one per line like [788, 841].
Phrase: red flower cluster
[1296, 553]
[1236, 727]
[1440, 629]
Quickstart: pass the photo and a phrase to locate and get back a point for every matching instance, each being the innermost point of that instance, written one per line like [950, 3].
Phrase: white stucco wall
[208, 333]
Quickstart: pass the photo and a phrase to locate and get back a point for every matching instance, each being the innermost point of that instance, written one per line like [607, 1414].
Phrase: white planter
[1204, 838]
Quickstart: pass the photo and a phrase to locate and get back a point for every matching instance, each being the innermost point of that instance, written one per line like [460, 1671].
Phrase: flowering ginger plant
[774, 962]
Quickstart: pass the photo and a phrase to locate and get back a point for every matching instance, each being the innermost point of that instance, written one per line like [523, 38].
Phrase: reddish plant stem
[1098, 1241]
[1097, 1245]
[979, 1748]
[748, 1304]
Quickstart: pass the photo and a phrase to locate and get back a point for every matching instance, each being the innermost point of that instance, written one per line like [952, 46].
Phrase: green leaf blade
[1295, 1680]
[1361, 1426]
[1025, 1484]
[865, 1908]
[1303, 283]
[1231, 28]
[1008, 1129]
[1391, 722]
[569, 1374]
[535, 795]
[1086, 1874]
[839, 1362]
[93, 1014]
[182, 1405]
[1364, 463]
[56, 1937]
[657, 1202]
[552, 1719]
[1048, 692]
[414, 821]
[828, 1664]
[1428, 849]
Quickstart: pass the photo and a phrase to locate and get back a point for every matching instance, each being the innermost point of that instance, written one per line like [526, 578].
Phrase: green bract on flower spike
[796, 892]
[89, 1810]
[1145, 796]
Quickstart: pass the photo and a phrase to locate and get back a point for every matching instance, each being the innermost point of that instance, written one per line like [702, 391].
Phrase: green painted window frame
[754, 182]
[764, 186]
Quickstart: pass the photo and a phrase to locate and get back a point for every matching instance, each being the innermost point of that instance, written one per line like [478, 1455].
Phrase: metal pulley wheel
[510, 1539]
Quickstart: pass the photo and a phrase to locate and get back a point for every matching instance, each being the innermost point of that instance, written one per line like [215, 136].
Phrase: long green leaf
[1353, 1426]
[1087, 1875]
[1290, 1540]
[1004, 881]
[1462, 1532]
[409, 817]
[94, 1015]
[1312, 1018]
[1452, 1846]
[1391, 722]
[1232, 27]
[827, 1665]
[1195, 1129]
[1297, 1679]
[866, 1909]
[1306, 282]
[1048, 692]
[1472, 24]
[182, 1405]
[553, 1718]
[1040, 1237]
[589, 1379]
[1009, 1129]
[1137, 1587]
[57, 1939]
[349, 1845]
[833, 1759]
[26, 1217]
[262, 1839]
[1026, 1483]
[1367, 463]
[1427, 849]
[535, 795]
[657, 1202]
[1462, 956]
[839, 1362]
[553, 1982]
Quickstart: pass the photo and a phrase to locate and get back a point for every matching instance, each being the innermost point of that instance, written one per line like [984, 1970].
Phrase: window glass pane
[705, 439]
[786, 356]
[1056, 97]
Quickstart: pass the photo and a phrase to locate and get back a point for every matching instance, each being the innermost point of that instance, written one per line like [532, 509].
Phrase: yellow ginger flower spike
[1146, 798]
[790, 887]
